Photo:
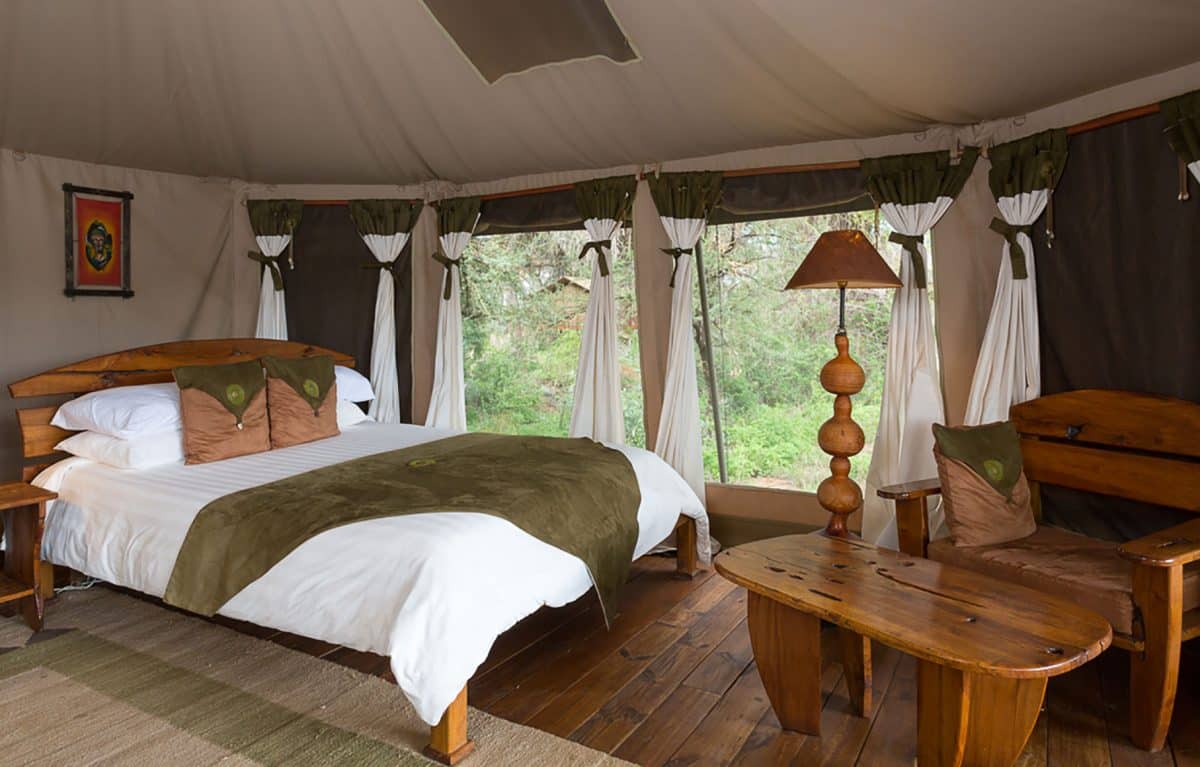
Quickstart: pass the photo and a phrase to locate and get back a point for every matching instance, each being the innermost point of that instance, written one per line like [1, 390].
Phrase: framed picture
[97, 239]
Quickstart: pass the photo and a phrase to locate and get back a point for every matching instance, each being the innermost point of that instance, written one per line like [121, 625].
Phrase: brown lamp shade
[843, 257]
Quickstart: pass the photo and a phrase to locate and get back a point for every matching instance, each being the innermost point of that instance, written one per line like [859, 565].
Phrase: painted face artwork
[98, 248]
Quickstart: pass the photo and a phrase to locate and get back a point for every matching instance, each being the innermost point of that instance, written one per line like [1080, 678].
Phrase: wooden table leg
[448, 742]
[787, 651]
[23, 559]
[972, 720]
[856, 666]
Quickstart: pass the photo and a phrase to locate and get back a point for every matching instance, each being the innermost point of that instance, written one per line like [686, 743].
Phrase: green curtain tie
[272, 265]
[598, 246]
[911, 243]
[1015, 253]
[388, 265]
[449, 263]
[675, 253]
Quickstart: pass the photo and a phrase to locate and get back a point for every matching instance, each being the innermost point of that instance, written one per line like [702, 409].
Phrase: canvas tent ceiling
[373, 91]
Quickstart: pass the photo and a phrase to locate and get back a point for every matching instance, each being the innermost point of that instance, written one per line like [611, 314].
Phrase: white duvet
[433, 591]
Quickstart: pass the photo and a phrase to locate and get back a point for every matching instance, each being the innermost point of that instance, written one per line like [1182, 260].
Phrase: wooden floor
[673, 683]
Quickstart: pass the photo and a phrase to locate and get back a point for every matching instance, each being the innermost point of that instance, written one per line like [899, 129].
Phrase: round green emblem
[418, 463]
[311, 388]
[235, 394]
[994, 469]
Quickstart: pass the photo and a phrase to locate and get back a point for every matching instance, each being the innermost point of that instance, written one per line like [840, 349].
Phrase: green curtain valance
[274, 217]
[909, 179]
[457, 214]
[1182, 115]
[605, 197]
[685, 195]
[608, 198]
[1028, 164]
[385, 216]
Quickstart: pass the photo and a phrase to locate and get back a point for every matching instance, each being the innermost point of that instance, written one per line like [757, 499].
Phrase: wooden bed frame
[448, 742]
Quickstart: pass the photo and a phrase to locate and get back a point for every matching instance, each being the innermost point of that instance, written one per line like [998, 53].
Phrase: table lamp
[842, 259]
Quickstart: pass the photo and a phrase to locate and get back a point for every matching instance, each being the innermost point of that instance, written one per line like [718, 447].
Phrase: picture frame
[97, 238]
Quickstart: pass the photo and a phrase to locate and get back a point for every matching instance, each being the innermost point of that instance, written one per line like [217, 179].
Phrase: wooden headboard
[1138, 446]
[147, 364]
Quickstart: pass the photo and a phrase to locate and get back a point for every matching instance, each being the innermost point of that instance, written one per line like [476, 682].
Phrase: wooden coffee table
[984, 648]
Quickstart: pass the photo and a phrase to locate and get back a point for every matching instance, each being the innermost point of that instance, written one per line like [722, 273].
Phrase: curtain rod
[1072, 130]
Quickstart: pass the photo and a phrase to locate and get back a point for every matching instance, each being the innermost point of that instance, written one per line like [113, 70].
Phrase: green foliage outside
[525, 296]
[524, 300]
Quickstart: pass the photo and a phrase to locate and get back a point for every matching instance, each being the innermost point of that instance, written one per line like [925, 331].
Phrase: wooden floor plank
[843, 732]
[721, 735]
[671, 724]
[727, 662]
[770, 744]
[564, 712]
[1113, 669]
[1184, 735]
[1078, 735]
[523, 693]
[892, 741]
[528, 673]
[630, 706]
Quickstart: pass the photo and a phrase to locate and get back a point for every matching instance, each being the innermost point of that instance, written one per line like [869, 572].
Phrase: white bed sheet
[432, 591]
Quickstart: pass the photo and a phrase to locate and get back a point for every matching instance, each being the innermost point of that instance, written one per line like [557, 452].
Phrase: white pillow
[352, 385]
[124, 411]
[137, 453]
[349, 414]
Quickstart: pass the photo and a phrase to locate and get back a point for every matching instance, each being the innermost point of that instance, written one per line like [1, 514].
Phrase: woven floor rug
[119, 681]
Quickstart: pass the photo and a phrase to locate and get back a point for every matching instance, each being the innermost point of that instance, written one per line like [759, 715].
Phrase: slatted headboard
[147, 364]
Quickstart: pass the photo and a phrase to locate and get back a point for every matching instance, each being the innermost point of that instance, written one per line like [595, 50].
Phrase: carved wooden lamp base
[841, 438]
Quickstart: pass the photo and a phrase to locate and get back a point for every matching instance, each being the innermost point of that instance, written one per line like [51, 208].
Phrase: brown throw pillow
[224, 409]
[301, 399]
[984, 491]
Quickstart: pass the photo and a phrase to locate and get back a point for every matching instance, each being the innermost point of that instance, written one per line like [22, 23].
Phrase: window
[769, 347]
[525, 297]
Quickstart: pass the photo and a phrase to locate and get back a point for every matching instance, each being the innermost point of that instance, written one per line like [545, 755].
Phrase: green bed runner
[574, 494]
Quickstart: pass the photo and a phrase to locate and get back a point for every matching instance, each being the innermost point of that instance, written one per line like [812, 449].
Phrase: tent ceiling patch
[506, 37]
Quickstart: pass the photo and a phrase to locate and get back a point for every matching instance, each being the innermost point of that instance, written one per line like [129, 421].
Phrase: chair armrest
[906, 491]
[1174, 546]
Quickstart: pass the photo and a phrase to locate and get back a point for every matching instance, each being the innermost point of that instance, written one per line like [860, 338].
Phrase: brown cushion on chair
[1085, 570]
[301, 399]
[984, 492]
[224, 411]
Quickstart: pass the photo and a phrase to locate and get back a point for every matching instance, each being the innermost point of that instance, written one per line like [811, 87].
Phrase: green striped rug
[120, 681]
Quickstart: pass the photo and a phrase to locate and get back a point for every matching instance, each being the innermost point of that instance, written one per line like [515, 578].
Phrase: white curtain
[912, 395]
[596, 412]
[448, 402]
[272, 313]
[386, 406]
[679, 439]
[1009, 369]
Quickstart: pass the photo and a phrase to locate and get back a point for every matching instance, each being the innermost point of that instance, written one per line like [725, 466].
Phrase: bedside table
[24, 510]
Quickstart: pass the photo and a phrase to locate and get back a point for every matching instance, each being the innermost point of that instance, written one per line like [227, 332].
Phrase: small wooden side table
[24, 510]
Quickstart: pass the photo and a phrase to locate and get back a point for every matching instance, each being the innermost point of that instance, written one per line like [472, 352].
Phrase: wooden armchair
[1119, 444]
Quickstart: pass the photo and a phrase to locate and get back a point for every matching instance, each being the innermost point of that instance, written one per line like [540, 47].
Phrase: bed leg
[448, 743]
[686, 563]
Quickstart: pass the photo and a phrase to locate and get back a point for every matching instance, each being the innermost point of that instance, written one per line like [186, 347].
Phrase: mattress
[432, 591]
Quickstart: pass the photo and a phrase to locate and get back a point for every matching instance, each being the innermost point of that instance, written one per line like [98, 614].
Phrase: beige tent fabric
[966, 262]
[427, 276]
[191, 277]
[652, 272]
[307, 91]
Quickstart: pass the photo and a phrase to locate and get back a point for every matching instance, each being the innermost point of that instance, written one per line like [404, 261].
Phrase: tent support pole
[710, 370]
